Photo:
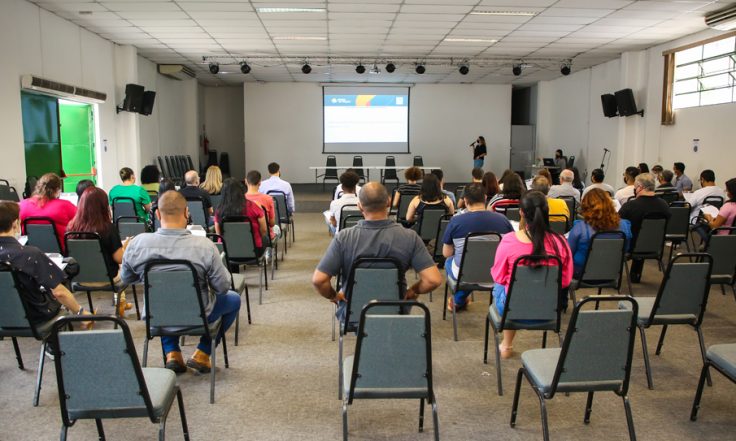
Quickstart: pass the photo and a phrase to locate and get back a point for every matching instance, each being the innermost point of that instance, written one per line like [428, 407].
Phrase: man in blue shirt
[275, 183]
[476, 219]
[683, 184]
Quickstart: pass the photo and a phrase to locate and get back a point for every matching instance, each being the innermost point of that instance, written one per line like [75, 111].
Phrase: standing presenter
[479, 152]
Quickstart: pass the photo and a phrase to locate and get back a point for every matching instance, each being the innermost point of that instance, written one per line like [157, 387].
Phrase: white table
[367, 169]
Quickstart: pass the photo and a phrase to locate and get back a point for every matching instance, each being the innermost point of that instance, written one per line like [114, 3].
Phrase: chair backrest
[441, 228]
[239, 234]
[559, 223]
[372, 278]
[570, 161]
[598, 347]
[98, 371]
[723, 250]
[215, 199]
[41, 232]
[358, 165]
[679, 223]
[162, 165]
[13, 314]
[534, 290]
[459, 192]
[479, 253]
[155, 222]
[404, 199]
[173, 297]
[351, 220]
[331, 173]
[348, 210]
[418, 161]
[605, 258]
[390, 173]
[282, 210]
[716, 201]
[123, 206]
[129, 226]
[513, 213]
[86, 249]
[9, 193]
[429, 221]
[572, 206]
[685, 286]
[650, 240]
[196, 211]
[393, 353]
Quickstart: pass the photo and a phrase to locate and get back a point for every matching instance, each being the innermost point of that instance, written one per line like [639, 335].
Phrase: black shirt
[111, 243]
[478, 150]
[196, 192]
[635, 210]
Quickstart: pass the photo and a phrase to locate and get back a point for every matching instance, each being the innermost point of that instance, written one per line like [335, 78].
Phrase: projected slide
[366, 120]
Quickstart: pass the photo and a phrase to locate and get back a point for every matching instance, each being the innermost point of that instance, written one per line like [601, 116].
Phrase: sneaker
[175, 362]
[200, 362]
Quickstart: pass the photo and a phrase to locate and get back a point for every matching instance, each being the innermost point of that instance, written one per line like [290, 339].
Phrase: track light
[390, 67]
[244, 68]
[464, 69]
[360, 69]
[420, 69]
[214, 68]
[566, 69]
[517, 69]
[306, 68]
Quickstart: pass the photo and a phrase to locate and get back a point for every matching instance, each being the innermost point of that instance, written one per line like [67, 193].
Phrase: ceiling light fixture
[282, 10]
[360, 69]
[420, 69]
[300, 38]
[566, 68]
[244, 68]
[464, 69]
[214, 68]
[505, 13]
[390, 67]
[306, 69]
[516, 69]
[469, 40]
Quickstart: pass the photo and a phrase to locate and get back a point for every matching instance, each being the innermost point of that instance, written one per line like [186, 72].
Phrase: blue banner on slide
[366, 100]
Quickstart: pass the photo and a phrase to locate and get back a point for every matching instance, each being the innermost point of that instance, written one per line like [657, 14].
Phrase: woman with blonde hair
[45, 202]
[212, 180]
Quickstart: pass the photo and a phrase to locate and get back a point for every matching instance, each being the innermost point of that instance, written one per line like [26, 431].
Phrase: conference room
[374, 220]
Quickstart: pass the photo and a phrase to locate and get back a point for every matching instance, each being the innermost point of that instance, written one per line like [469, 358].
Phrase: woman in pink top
[534, 237]
[727, 213]
[45, 202]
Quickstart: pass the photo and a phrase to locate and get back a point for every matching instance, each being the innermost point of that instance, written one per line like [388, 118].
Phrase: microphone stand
[605, 160]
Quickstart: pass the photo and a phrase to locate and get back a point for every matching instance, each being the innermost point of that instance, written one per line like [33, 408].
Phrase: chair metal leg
[224, 351]
[264, 273]
[544, 339]
[345, 420]
[18, 356]
[213, 356]
[430, 296]
[334, 321]
[498, 363]
[699, 392]
[39, 375]
[454, 320]
[444, 305]
[588, 408]
[144, 362]
[485, 341]
[135, 299]
[162, 429]
[647, 367]
[543, 411]
[340, 372]
[628, 278]
[661, 340]
[100, 429]
[89, 300]
[702, 352]
[629, 419]
[421, 415]
[515, 406]
[62, 435]
[572, 297]
[182, 414]
[260, 286]
[435, 420]
[247, 304]
[293, 232]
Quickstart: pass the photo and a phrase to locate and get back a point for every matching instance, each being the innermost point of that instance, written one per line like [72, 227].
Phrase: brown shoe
[200, 362]
[175, 362]
[122, 307]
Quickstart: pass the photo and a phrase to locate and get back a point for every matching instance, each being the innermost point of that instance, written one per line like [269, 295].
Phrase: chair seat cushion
[378, 392]
[645, 310]
[540, 364]
[157, 331]
[723, 356]
[721, 279]
[118, 287]
[239, 282]
[161, 385]
[43, 329]
[452, 284]
[519, 324]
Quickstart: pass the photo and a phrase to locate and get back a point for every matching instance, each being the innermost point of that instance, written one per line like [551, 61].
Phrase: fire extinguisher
[204, 142]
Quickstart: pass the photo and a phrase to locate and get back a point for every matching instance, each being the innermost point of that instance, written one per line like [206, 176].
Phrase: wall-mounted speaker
[133, 98]
[626, 103]
[149, 97]
[610, 108]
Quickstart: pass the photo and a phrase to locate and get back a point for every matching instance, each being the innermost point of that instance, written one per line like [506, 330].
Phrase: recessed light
[505, 13]
[469, 40]
[85, 12]
[300, 38]
[281, 10]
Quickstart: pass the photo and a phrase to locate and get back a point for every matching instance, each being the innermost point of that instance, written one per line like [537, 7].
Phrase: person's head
[490, 184]
[657, 169]
[576, 182]
[678, 168]
[566, 177]
[481, 141]
[48, 187]
[413, 174]
[83, 185]
[150, 175]
[731, 189]
[349, 180]
[212, 180]
[440, 176]
[253, 178]
[474, 195]
[666, 177]
[191, 178]
[513, 186]
[598, 210]
[431, 190]
[597, 176]
[166, 185]
[9, 219]
[544, 172]
[630, 175]
[274, 169]
[643, 167]
[172, 210]
[93, 212]
[374, 201]
[558, 153]
[535, 212]
[707, 178]
[506, 173]
[477, 174]
[644, 185]
[540, 184]
[127, 175]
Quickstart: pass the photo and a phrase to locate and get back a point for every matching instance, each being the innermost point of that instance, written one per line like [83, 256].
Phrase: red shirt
[253, 212]
[265, 201]
[58, 210]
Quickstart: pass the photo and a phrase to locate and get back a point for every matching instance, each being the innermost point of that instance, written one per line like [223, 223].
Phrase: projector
[374, 70]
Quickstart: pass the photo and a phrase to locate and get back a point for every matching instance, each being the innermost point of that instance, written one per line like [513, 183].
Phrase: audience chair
[649, 244]
[532, 304]
[678, 227]
[572, 206]
[389, 174]
[437, 255]
[370, 278]
[669, 195]
[393, 359]
[503, 206]
[30, 185]
[349, 210]
[271, 247]
[240, 237]
[330, 173]
[284, 215]
[129, 226]
[155, 222]
[99, 377]
[723, 251]
[350, 220]
[123, 207]
[162, 165]
[8, 192]
[681, 300]
[723, 358]
[559, 223]
[595, 357]
[427, 224]
[474, 274]
[570, 161]
[174, 307]
[41, 232]
[418, 161]
[153, 195]
[716, 201]
[603, 264]
[358, 167]
[86, 249]
[405, 198]
[14, 322]
[215, 199]
[197, 213]
[459, 192]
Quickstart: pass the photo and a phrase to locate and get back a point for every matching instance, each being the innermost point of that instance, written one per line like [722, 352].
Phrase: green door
[77, 142]
[41, 134]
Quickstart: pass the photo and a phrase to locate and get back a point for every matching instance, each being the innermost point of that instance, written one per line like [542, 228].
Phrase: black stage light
[420, 69]
[390, 67]
[360, 69]
[517, 69]
[464, 70]
[306, 68]
[565, 69]
[214, 68]
[244, 68]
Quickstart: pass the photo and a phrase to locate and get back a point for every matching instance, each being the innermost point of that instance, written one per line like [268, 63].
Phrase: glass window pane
[717, 96]
[688, 55]
[689, 100]
[686, 86]
[724, 64]
[719, 47]
[689, 71]
[713, 82]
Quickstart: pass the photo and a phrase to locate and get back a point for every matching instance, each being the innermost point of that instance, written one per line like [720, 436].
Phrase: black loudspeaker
[626, 103]
[133, 98]
[149, 97]
[610, 108]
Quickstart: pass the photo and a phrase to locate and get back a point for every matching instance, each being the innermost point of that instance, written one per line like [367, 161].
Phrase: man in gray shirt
[174, 241]
[376, 236]
[565, 188]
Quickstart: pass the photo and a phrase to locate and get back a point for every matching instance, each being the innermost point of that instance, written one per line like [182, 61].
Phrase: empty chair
[8, 192]
[123, 207]
[429, 220]
[595, 357]
[723, 358]
[570, 161]
[174, 308]
[99, 377]
[532, 303]
[678, 227]
[418, 161]
[474, 274]
[286, 220]
[393, 359]
[41, 232]
[722, 248]
[389, 174]
[681, 300]
[162, 165]
[197, 213]
[358, 167]
[603, 264]
[649, 244]
[129, 226]
[330, 173]
[239, 234]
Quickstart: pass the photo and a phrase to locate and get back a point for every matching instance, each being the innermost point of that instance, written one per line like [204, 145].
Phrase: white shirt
[337, 204]
[338, 190]
[600, 185]
[278, 184]
[623, 195]
[564, 189]
[697, 197]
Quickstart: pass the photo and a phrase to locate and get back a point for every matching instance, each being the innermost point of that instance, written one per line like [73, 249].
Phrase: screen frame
[382, 86]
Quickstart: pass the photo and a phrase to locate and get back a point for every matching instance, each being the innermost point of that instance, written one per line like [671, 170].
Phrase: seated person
[45, 202]
[412, 175]
[565, 188]
[682, 182]
[626, 193]
[534, 237]
[128, 189]
[475, 219]
[338, 188]
[253, 181]
[212, 180]
[656, 171]
[174, 241]
[349, 183]
[510, 193]
[431, 194]
[191, 190]
[234, 203]
[275, 183]
[597, 177]
[83, 185]
[441, 177]
[476, 175]
[150, 177]
[727, 213]
[665, 180]
[576, 181]
[599, 214]
[488, 181]
[165, 185]
[708, 188]
[557, 207]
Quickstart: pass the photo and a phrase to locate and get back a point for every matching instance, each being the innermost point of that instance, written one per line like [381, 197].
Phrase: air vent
[56, 88]
[723, 20]
[176, 71]
[91, 94]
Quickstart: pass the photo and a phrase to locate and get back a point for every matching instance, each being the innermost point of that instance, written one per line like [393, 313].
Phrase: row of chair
[175, 167]
[331, 172]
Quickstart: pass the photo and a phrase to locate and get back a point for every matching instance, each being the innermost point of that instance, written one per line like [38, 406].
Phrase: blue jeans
[227, 306]
[460, 297]
[478, 163]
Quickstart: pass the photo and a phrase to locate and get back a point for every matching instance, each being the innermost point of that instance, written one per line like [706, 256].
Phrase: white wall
[283, 123]
[224, 121]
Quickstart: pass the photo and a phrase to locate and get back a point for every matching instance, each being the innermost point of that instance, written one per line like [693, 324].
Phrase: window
[705, 74]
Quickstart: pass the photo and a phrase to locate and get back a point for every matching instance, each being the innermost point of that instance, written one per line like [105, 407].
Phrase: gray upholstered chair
[123, 207]
[723, 358]
[474, 273]
[175, 308]
[197, 212]
[370, 278]
[681, 300]
[330, 173]
[129, 226]
[595, 357]
[352, 211]
[14, 322]
[286, 219]
[215, 199]
[240, 237]
[86, 249]
[532, 304]
[678, 227]
[649, 244]
[389, 174]
[405, 198]
[8, 192]
[358, 167]
[427, 224]
[441, 228]
[572, 207]
[393, 359]
[99, 377]
[723, 250]
[603, 264]
[559, 223]
[351, 220]
[41, 232]
[512, 213]
[418, 161]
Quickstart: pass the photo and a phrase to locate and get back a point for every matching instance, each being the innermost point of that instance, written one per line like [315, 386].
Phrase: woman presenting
[479, 152]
